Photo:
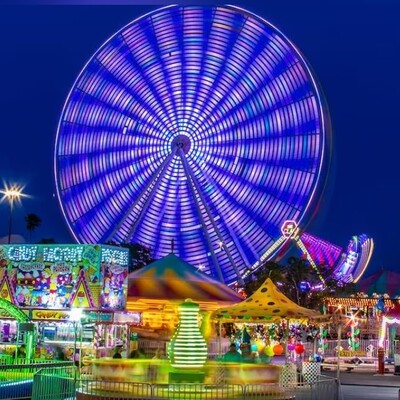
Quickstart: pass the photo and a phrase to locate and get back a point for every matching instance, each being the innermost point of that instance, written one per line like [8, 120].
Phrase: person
[118, 351]
[264, 359]
[59, 354]
[246, 353]
[158, 370]
[21, 352]
[159, 354]
[255, 357]
[232, 355]
[136, 354]
[77, 357]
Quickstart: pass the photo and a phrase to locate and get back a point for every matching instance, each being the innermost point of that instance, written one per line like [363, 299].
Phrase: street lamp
[75, 316]
[13, 193]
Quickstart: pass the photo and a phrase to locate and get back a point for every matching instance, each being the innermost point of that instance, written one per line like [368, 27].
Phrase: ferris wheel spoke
[197, 192]
[285, 183]
[141, 204]
[126, 64]
[285, 105]
[225, 216]
[232, 90]
[117, 102]
[236, 210]
[235, 239]
[210, 92]
[241, 198]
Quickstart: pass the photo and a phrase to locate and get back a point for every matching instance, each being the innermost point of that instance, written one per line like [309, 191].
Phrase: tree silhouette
[140, 255]
[32, 222]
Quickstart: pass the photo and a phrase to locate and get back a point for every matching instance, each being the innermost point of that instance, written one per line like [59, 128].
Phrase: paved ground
[367, 385]
[366, 378]
[349, 392]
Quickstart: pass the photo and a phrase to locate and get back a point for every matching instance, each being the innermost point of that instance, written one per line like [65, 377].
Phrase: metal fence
[332, 345]
[325, 387]
[16, 380]
[65, 384]
[193, 391]
[217, 348]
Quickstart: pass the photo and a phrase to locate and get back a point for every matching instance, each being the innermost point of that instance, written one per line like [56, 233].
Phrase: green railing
[67, 385]
[16, 380]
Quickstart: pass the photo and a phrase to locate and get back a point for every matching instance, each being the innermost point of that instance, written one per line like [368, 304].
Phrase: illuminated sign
[131, 317]
[31, 266]
[61, 268]
[47, 315]
[93, 316]
[5, 314]
[68, 253]
[52, 276]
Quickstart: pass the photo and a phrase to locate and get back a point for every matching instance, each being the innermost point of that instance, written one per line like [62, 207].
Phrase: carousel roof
[172, 279]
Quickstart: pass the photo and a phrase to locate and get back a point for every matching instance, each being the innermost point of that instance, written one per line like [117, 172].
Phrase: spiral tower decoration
[188, 347]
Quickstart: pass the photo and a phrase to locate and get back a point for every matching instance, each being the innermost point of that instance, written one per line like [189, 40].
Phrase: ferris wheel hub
[182, 142]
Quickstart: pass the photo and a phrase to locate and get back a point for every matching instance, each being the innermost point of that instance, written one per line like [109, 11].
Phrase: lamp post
[14, 193]
[75, 317]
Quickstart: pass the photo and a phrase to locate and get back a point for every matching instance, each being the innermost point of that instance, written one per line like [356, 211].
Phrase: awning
[267, 304]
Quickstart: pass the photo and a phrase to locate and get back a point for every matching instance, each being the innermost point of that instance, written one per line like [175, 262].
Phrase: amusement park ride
[348, 264]
[202, 125]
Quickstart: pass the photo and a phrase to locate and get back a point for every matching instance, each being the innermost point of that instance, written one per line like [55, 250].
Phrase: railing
[16, 380]
[66, 385]
[331, 347]
[216, 348]
[7, 359]
[325, 387]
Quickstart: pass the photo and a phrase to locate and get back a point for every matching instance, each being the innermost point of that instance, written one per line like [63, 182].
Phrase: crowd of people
[150, 370]
[137, 353]
[244, 355]
[235, 354]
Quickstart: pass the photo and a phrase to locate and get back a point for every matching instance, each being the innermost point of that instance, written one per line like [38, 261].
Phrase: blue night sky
[352, 46]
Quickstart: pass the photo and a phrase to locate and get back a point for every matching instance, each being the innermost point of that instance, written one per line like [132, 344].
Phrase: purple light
[347, 264]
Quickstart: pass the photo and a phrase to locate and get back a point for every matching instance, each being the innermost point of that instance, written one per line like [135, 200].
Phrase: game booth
[74, 295]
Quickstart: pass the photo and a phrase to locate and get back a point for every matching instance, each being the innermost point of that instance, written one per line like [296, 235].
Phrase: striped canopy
[381, 282]
[267, 304]
[171, 279]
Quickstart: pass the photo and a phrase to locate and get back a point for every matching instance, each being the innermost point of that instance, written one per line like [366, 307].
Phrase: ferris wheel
[197, 125]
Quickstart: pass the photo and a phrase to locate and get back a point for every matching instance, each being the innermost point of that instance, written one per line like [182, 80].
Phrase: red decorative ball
[299, 348]
[278, 349]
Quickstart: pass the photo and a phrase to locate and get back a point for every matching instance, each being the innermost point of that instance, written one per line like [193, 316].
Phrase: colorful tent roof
[381, 282]
[171, 279]
[267, 304]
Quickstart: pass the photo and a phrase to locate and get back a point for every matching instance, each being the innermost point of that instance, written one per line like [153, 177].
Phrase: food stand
[47, 282]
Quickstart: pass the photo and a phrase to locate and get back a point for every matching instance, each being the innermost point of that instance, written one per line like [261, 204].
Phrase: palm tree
[32, 222]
